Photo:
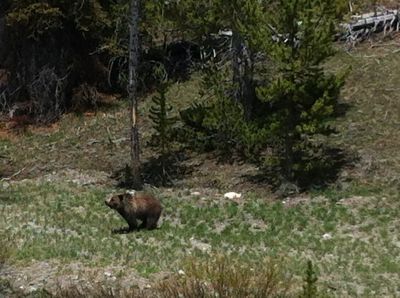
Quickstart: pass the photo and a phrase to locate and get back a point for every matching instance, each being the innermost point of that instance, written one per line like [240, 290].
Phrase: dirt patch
[357, 201]
[295, 201]
[53, 276]
[44, 129]
[6, 134]
[78, 177]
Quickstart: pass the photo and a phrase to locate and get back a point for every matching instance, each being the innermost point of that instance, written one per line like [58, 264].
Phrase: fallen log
[362, 26]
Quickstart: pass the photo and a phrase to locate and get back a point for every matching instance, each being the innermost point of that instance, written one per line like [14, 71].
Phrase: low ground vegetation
[53, 218]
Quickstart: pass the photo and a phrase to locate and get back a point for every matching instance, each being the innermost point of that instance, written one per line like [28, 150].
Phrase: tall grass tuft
[226, 278]
[6, 249]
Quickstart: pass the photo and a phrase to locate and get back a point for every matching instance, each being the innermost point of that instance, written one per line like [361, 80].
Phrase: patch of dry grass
[7, 248]
[218, 277]
[371, 126]
[226, 277]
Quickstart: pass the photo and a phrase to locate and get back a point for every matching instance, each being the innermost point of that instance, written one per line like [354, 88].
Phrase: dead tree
[243, 74]
[134, 49]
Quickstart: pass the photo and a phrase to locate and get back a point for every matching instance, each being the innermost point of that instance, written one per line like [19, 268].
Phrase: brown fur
[134, 206]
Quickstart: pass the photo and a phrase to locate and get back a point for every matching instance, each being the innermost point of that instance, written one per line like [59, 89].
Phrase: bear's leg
[143, 224]
[124, 230]
[132, 224]
[152, 222]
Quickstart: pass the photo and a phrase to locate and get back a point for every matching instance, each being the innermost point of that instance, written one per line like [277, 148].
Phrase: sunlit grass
[349, 229]
[59, 222]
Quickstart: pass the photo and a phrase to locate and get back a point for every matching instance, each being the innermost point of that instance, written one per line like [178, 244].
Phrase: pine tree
[301, 97]
[162, 124]
[310, 289]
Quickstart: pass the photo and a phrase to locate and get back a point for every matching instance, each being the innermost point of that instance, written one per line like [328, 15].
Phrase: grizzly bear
[136, 205]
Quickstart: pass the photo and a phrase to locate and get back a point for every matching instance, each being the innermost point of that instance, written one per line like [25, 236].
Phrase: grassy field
[55, 227]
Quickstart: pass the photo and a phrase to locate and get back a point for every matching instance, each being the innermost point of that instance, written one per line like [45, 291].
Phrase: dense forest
[268, 101]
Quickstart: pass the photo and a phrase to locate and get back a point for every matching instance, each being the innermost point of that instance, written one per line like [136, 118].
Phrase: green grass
[72, 224]
[61, 221]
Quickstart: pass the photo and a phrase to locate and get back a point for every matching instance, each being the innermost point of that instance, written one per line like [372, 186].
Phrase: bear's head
[115, 201]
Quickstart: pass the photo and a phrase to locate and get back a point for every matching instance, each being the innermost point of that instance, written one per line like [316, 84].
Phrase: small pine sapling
[163, 122]
[310, 282]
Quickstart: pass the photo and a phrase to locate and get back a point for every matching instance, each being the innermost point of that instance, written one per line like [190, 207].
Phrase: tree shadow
[341, 109]
[163, 171]
[320, 177]
[122, 230]
[158, 171]
[327, 173]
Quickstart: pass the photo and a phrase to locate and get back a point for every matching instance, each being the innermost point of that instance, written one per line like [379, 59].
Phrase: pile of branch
[362, 26]
[359, 28]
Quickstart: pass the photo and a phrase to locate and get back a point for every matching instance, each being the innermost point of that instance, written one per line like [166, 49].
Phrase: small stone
[195, 193]
[108, 274]
[181, 272]
[327, 236]
[232, 195]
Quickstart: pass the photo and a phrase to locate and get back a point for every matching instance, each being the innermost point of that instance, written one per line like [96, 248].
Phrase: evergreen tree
[160, 115]
[301, 97]
[310, 289]
[294, 99]
[245, 19]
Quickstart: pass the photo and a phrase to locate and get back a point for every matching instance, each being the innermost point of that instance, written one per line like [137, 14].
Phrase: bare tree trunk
[132, 89]
[242, 67]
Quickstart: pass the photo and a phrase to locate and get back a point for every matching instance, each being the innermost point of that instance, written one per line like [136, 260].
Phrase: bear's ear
[121, 197]
[129, 195]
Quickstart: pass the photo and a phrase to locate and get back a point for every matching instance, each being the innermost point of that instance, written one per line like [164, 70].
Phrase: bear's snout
[108, 202]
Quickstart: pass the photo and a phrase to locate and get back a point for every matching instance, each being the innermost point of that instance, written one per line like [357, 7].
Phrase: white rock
[204, 247]
[232, 195]
[195, 193]
[108, 274]
[327, 236]
[181, 272]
